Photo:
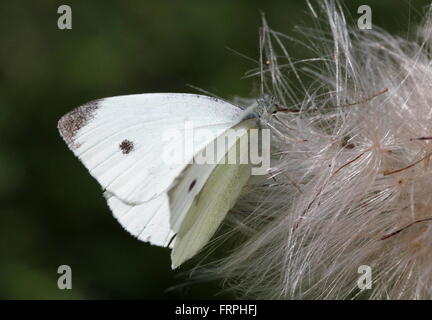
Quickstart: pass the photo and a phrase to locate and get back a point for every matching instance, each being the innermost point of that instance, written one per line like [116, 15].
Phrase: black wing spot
[192, 185]
[126, 146]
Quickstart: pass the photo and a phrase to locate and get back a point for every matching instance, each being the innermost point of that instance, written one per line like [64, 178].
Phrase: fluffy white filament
[351, 181]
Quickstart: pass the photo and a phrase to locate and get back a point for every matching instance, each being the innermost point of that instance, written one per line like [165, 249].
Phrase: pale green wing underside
[210, 206]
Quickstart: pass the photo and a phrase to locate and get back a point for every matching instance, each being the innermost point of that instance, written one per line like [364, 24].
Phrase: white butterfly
[120, 140]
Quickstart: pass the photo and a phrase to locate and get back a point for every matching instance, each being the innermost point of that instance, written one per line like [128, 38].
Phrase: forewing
[122, 140]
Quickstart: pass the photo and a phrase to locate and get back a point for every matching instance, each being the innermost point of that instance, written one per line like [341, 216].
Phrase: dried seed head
[365, 197]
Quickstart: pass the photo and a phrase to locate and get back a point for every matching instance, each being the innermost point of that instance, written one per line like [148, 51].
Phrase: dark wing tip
[73, 121]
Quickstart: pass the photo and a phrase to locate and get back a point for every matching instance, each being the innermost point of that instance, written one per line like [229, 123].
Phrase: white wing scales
[148, 222]
[95, 132]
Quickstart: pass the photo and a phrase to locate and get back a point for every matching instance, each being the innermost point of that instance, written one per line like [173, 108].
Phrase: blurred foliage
[51, 211]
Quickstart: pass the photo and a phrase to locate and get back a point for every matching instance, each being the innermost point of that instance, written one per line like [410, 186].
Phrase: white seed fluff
[351, 180]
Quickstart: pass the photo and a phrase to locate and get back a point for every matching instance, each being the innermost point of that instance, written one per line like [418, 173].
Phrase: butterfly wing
[123, 141]
[158, 220]
[194, 176]
[208, 208]
[120, 140]
[148, 221]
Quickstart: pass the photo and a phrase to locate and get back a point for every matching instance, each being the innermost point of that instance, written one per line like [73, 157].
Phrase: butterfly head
[262, 110]
[266, 106]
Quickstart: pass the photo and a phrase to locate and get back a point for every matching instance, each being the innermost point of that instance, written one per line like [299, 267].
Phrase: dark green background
[51, 211]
